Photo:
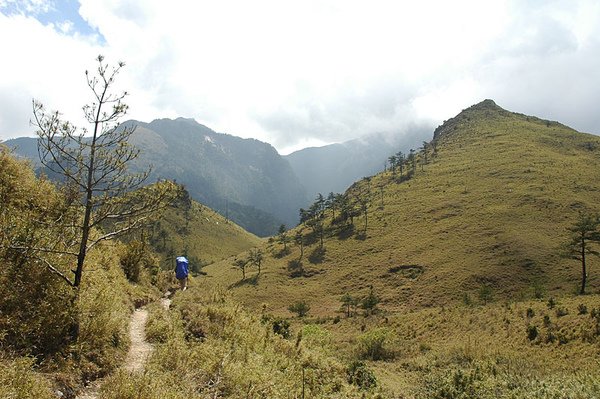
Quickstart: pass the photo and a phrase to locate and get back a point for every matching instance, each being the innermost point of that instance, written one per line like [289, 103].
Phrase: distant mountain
[333, 168]
[25, 147]
[244, 179]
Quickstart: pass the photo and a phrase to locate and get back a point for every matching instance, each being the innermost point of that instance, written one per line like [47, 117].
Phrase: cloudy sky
[306, 72]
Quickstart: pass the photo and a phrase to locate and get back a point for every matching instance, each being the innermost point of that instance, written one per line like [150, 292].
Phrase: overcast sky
[299, 73]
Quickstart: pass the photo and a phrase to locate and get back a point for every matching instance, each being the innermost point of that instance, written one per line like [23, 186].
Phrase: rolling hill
[489, 211]
[203, 235]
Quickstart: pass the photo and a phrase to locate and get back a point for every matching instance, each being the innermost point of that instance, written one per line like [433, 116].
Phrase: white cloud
[315, 71]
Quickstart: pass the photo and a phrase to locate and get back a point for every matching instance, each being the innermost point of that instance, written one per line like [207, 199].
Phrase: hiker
[181, 271]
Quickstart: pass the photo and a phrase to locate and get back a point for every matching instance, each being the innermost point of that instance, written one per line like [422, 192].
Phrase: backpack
[181, 269]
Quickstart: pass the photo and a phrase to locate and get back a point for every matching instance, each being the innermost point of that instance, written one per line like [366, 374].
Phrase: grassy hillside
[205, 236]
[464, 255]
[53, 337]
[490, 209]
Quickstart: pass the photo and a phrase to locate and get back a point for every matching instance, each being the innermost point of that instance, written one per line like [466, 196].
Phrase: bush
[316, 336]
[560, 312]
[36, 310]
[301, 308]
[361, 375]
[161, 325]
[103, 313]
[281, 327]
[532, 332]
[377, 344]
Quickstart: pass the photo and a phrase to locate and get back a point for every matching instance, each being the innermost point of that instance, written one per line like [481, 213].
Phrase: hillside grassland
[457, 254]
[492, 208]
[207, 346]
[197, 231]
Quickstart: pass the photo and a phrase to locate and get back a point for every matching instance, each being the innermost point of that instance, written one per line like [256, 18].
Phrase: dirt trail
[139, 351]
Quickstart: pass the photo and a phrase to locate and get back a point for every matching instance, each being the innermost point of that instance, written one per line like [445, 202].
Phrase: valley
[444, 276]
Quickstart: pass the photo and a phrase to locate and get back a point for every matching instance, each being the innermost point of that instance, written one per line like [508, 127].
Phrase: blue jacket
[181, 270]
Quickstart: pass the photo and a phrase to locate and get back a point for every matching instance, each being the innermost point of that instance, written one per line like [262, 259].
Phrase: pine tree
[583, 234]
[93, 168]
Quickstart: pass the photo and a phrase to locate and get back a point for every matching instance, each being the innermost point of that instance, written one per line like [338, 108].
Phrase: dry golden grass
[487, 215]
[492, 208]
[201, 233]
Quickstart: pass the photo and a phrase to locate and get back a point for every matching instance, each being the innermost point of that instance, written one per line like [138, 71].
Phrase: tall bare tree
[105, 200]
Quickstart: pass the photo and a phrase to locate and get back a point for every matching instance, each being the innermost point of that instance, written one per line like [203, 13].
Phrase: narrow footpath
[139, 351]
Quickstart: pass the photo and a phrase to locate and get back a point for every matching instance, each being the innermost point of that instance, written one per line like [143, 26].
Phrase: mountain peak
[486, 104]
[485, 108]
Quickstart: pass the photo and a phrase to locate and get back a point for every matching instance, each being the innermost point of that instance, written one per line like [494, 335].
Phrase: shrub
[361, 375]
[376, 344]
[560, 312]
[532, 332]
[36, 309]
[301, 308]
[103, 313]
[547, 321]
[316, 336]
[281, 327]
[582, 309]
[161, 325]
[131, 260]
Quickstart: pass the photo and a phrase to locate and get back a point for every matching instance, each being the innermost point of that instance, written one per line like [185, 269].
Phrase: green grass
[208, 346]
[491, 209]
[482, 223]
[202, 234]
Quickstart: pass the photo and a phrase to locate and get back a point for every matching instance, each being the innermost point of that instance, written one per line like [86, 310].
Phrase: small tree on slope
[583, 233]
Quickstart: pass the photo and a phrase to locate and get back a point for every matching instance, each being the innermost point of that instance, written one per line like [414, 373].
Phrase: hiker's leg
[183, 283]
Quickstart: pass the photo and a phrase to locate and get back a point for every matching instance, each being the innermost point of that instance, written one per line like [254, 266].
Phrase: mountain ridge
[490, 209]
[243, 179]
